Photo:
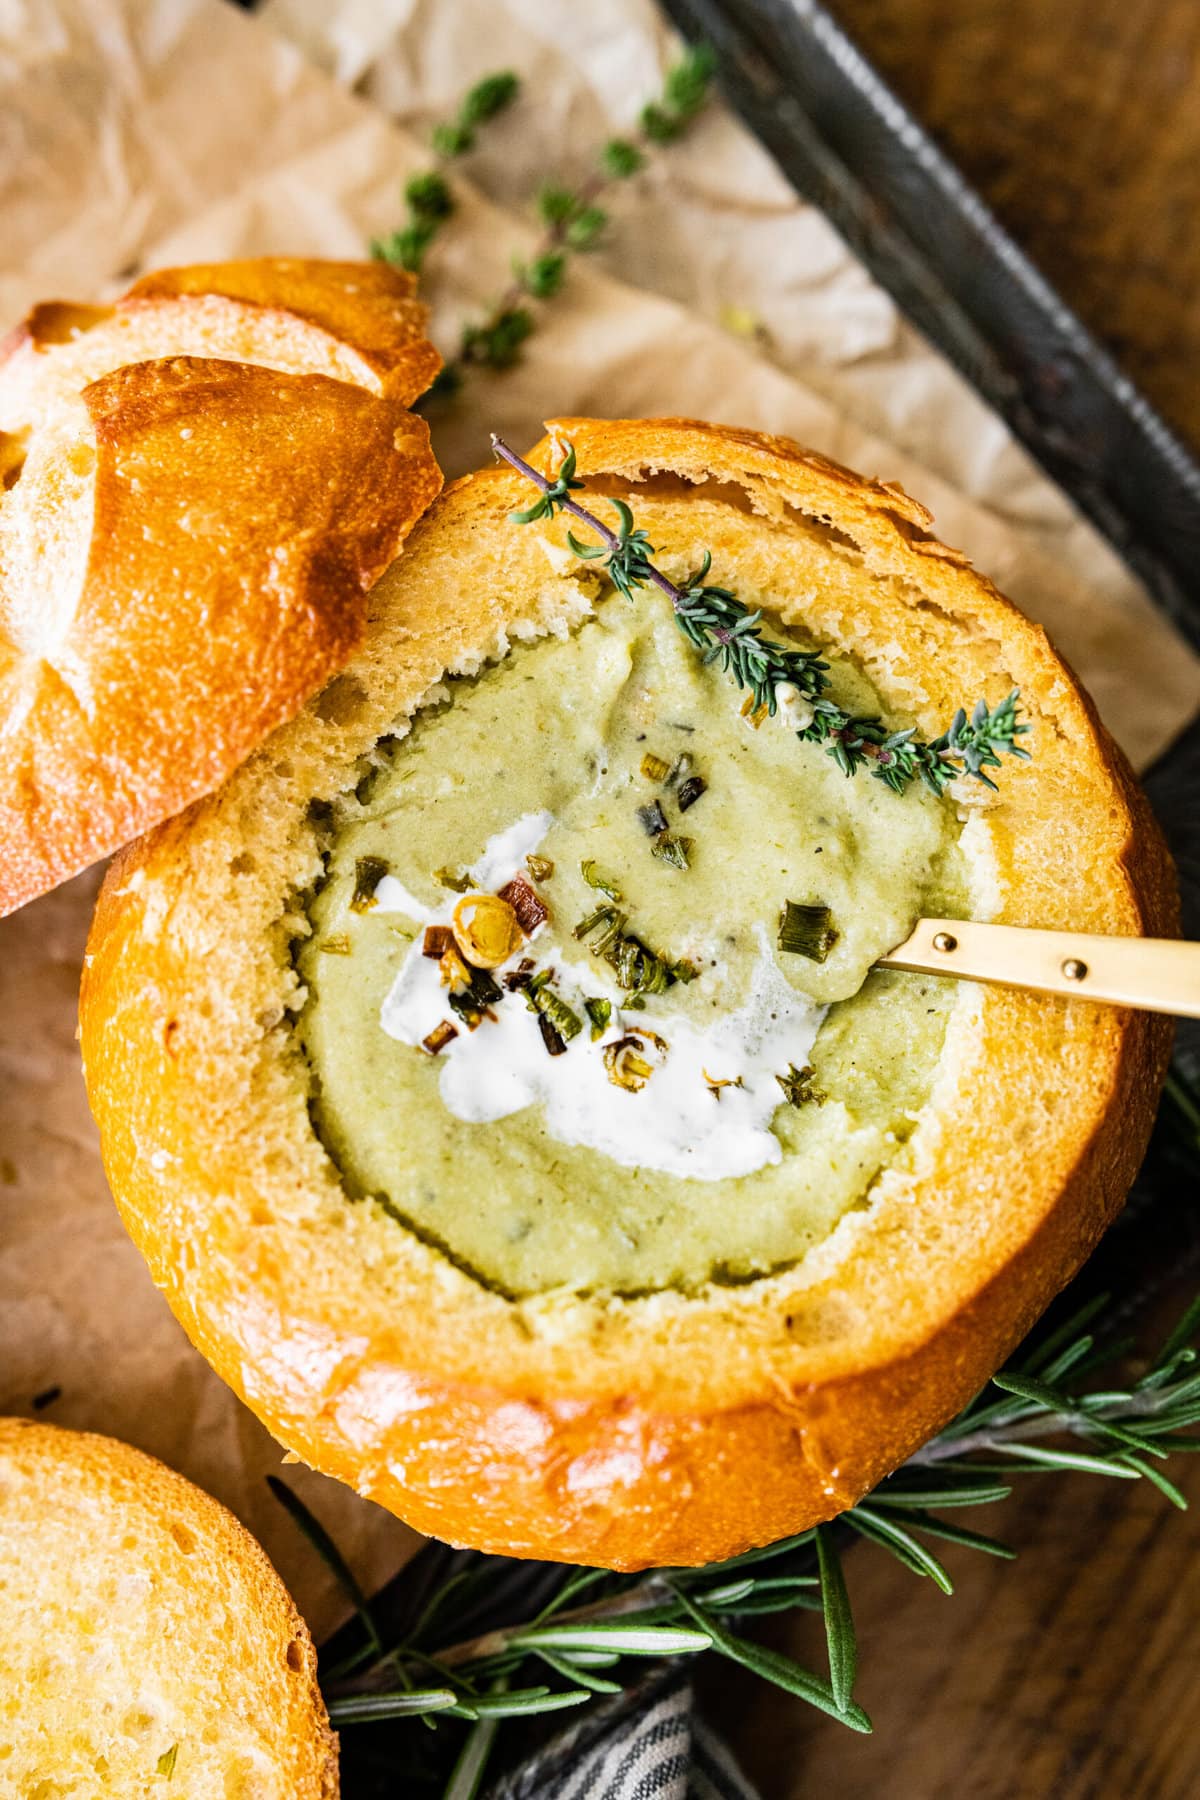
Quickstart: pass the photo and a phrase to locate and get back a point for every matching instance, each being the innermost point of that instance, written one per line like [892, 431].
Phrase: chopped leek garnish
[806, 931]
[652, 818]
[797, 1086]
[369, 871]
[541, 998]
[672, 850]
[476, 1001]
[596, 878]
[600, 1014]
[627, 1067]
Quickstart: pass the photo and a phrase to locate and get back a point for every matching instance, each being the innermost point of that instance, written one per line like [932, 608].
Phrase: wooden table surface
[1074, 1673]
[1071, 1674]
[1079, 121]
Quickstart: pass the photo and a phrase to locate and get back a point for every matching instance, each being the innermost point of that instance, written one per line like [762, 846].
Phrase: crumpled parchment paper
[135, 132]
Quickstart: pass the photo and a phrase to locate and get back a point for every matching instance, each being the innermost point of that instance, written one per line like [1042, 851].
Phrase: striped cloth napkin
[646, 1744]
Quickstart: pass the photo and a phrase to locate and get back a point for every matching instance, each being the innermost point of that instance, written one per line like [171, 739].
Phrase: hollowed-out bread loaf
[145, 1640]
[199, 484]
[623, 1428]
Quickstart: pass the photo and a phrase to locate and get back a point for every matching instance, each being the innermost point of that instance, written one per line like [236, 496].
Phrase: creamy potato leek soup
[589, 991]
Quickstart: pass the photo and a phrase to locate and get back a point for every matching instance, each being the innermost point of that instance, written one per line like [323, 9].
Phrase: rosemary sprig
[725, 631]
[573, 220]
[1053, 1411]
[428, 199]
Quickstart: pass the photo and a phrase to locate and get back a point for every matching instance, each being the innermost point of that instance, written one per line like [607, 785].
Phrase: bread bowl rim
[364, 1381]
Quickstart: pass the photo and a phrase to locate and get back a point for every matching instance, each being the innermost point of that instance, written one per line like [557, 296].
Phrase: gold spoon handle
[1153, 974]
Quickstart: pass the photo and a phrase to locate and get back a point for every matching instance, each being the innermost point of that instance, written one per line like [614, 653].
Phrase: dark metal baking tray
[848, 144]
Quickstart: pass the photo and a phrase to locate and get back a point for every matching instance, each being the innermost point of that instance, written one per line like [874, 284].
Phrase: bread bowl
[627, 1393]
[145, 1637]
[198, 483]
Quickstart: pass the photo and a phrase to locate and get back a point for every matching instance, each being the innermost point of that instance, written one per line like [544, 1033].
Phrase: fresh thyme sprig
[725, 631]
[572, 220]
[427, 197]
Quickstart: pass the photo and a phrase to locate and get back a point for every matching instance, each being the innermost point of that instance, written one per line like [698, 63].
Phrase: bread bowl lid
[200, 484]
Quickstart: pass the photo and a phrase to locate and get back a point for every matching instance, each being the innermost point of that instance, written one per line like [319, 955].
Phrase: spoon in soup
[1151, 974]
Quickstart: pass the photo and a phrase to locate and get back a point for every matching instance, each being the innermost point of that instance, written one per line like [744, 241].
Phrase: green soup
[693, 1172]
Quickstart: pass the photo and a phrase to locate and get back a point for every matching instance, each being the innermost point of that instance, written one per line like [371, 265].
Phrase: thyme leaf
[572, 219]
[428, 200]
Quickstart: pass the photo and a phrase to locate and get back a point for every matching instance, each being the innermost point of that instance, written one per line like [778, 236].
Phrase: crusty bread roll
[199, 484]
[144, 1636]
[649, 1427]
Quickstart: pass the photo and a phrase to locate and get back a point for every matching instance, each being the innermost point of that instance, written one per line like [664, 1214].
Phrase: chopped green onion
[474, 1003]
[540, 867]
[454, 879]
[553, 1007]
[654, 768]
[520, 976]
[369, 871]
[638, 969]
[672, 850]
[627, 1068]
[600, 1014]
[652, 818]
[690, 791]
[806, 931]
[339, 945]
[797, 1086]
[613, 923]
[596, 878]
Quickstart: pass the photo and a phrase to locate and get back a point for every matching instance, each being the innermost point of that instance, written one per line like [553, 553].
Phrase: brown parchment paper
[134, 132]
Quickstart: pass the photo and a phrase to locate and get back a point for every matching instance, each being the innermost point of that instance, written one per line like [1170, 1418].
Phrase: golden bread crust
[666, 1428]
[203, 482]
[364, 310]
[99, 1539]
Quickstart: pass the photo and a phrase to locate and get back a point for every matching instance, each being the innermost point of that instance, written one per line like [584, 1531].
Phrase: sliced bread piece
[146, 1643]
